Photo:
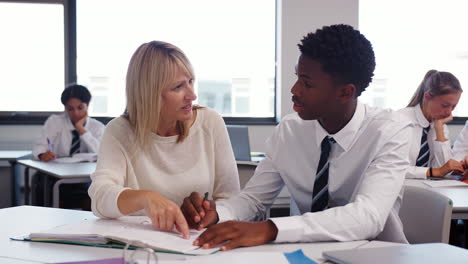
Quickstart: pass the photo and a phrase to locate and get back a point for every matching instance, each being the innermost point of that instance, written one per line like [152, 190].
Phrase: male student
[343, 162]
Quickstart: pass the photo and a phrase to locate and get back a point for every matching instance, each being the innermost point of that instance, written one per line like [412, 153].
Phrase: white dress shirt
[366, 174]
[440, 152]
[203, 162]
[58, 129]
[460, 147]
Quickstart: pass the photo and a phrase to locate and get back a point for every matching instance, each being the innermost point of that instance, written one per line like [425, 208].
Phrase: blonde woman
[163, 147]
[429, 110]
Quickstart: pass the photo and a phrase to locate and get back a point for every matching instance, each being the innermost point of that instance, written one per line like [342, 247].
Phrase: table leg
[46, 190]
[26, 186]
[13, 182]
[56, 188]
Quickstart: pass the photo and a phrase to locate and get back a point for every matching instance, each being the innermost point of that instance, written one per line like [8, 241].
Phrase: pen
[205, 198]
[50, 145]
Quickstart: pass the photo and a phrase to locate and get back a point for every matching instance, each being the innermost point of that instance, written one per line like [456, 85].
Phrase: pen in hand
[49, 145]
[205, 198]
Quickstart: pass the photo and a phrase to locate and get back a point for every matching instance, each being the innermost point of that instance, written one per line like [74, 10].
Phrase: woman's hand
[165, 214]
[47, 156]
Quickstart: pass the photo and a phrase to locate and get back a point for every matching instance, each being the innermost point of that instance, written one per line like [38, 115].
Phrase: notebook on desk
[239, 136]
[432, 253]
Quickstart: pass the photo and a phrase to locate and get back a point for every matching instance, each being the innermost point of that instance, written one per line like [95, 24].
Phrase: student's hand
[449, 166]
[439, 128]
[47, 156]
[237, 234]
[165, 214]
[439, 123]
[79, 125]
[199, 213]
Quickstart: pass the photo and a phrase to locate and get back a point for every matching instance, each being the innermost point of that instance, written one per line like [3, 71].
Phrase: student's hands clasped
[47, 156]
[201, 213]
[198, 212]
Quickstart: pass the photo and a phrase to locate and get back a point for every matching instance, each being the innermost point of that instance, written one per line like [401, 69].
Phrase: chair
[425, 215]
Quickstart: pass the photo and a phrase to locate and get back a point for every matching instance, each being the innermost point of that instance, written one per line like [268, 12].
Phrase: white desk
[458, 195]
[23, 220]
[65, 172]
[12, 157]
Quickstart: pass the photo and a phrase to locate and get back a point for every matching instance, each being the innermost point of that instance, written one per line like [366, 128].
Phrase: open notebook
[133, 230]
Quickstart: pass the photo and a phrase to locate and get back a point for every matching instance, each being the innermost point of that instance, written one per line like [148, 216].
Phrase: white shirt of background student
[58, 130]
[432, 105]
[460, 147]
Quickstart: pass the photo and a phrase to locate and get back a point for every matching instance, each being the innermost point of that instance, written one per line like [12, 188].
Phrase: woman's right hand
[449, 166]
[47, 156]
[164, 213]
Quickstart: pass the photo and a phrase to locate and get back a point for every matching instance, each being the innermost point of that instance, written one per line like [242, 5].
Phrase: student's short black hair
[76, 91]
[343, 52]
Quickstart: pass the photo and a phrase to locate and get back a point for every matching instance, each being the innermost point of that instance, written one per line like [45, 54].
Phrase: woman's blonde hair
[435, 83]
[152, 68]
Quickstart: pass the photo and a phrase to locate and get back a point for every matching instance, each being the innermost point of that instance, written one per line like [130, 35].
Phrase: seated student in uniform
[72, 131]
[64, 135]
[343, 162]
[429, 110]
[162, 147]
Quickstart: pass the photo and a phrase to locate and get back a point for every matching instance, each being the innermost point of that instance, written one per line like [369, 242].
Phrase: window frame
[70, 52]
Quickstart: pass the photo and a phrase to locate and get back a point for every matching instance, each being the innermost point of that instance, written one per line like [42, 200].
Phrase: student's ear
[346, 92]
[427, 96]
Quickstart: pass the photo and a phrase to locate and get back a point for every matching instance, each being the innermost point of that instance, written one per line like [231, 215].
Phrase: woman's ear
[347, 92]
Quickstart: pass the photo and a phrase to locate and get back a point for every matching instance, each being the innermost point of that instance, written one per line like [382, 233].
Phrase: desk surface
[13, 154]
[23, 220]
[61, 170]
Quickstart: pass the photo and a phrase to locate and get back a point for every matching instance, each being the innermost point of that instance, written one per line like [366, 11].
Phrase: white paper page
[445, 183]
[134, 229]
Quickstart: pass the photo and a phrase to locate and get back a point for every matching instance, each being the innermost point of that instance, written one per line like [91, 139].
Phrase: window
[231, 45]
[410, 38]
[32, 56]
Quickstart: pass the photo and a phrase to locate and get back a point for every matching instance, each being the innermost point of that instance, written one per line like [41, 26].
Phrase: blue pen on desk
[205, 198]
[49, 145]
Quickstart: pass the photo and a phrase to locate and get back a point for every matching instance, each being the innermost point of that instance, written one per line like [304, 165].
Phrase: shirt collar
[421, 119]
[346, 135]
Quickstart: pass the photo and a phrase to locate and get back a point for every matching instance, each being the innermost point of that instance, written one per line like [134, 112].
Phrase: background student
[72, 131]
[429, 110]
[460, 147]
[66, 134]
[343, 162]
[162, 147]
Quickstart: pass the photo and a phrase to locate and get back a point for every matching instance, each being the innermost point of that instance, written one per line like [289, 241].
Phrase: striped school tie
[320, 192]
[424, 152]
[75, 145]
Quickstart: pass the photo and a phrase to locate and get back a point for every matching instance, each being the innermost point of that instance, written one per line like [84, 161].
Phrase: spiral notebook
[136, 231]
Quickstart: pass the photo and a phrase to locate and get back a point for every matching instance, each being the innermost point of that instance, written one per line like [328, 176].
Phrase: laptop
[431, 253]
[239, 136]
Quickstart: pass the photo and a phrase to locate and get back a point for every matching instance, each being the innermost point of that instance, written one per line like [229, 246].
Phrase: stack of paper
[133, 230]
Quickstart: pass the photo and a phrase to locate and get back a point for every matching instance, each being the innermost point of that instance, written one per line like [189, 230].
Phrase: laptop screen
[239, 136]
